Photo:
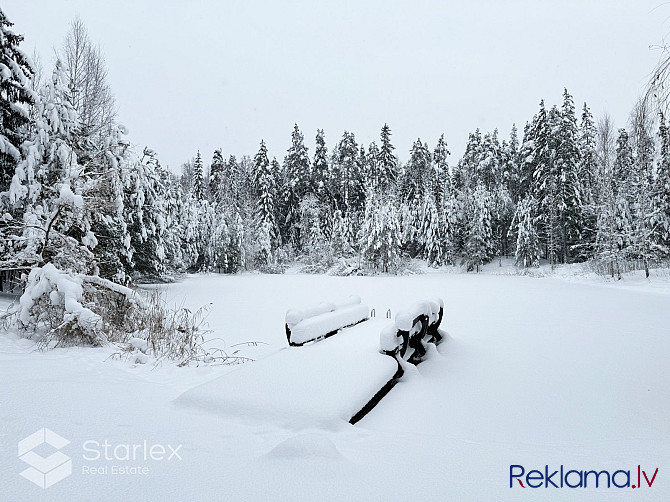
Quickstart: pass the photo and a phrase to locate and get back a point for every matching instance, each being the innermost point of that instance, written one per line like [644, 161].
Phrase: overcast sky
[199, 75]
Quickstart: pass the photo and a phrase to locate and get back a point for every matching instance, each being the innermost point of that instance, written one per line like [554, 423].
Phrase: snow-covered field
[535, 372]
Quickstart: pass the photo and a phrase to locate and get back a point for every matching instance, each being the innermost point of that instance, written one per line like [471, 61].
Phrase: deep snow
[535, 371]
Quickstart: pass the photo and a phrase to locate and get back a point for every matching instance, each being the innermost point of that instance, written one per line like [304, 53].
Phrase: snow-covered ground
[535, 371]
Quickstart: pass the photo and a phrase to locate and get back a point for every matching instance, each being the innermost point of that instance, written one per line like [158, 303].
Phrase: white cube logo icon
[45, 471]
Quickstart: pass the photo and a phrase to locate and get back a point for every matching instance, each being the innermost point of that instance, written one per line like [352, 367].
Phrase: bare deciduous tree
[89, 90]
[605, 145]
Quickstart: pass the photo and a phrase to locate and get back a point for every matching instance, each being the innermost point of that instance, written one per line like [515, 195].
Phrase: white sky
[227, 73]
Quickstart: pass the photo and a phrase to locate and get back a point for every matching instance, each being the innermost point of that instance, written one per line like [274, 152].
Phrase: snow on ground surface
[320, 385]
[535, 371]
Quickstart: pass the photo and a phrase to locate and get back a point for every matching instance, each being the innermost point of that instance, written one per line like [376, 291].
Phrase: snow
[322, 384]
[64, 289]
[322, 324]
[67, 197]
[405, 320]
[551, 370]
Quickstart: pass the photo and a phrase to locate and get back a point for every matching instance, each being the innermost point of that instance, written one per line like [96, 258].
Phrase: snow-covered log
[412, 329]
[323, 320]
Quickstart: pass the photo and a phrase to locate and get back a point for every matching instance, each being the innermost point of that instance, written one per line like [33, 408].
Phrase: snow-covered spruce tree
[488, 169]
[609, 249]
[464, 181]
[16, 98]
[440, 177]
[146, 216]
[417, 174]
[315, 248]
[216, 175]
[198, 178]
[172, 203]
[587, 174]
[478, 243]
[266, 227]
[388, 164]
[414, 183]
[298, 183]
[511, 166]
[235, 253]
[346, 179]
[320, 176]
[340, 243]
[380, 235]
[115, 193]
[490, 172]
[546, 184]
[51, 191]
[373, 172]
[47, 188]
[189, 223]
[527, 241]
[572, 212]
[433, 233]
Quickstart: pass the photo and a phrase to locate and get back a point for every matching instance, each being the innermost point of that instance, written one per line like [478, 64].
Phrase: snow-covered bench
[323, 384]
[323, 320]
[405, 339]
[412, 329]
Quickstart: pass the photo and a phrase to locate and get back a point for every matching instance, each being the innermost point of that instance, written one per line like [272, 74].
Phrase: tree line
[75, 193]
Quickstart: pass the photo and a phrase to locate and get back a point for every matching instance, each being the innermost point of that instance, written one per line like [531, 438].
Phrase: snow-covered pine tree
[16, 98]
[527, 241]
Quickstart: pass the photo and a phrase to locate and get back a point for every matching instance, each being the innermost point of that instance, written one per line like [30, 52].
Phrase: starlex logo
[574, 478]
[45, 471]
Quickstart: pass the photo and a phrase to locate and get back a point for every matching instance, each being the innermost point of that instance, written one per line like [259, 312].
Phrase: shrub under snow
[61, 308]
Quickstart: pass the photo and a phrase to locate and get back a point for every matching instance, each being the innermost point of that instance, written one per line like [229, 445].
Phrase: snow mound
[322, 385]
[405, 320]
[294, 316]
[310, 446]
[321, 325]
[389, 338]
